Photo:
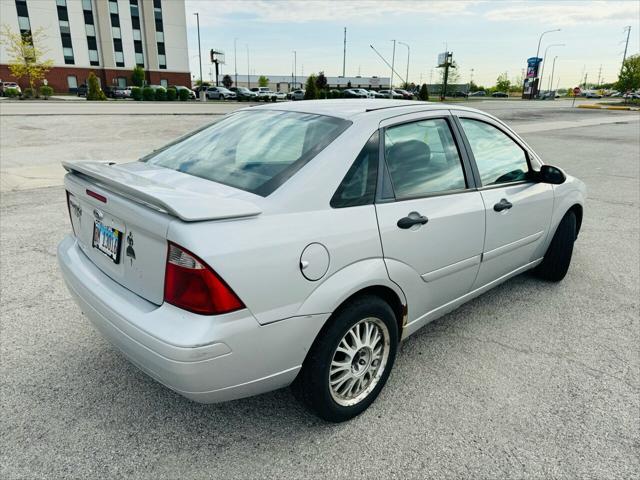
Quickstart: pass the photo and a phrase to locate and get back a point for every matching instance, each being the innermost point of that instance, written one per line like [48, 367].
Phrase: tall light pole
[248, 70]
[538, 52]
[344, 53]
[393, 60]
[553, 69]
[406, 80]
[199, 48]
[235, 59]
[295, 69]
[545, 56]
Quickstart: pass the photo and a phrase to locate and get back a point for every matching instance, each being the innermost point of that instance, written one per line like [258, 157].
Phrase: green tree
[227, 82]
[424, 93]
[454, 76]
[94, 91]
[321, 81]
[310, 89]
[26, 55]
[263, 81]
[629, 78]
[503, 83]
[137, 76]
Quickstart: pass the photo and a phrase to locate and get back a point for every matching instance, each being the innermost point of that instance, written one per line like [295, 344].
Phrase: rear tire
[556, 261]
[350, 361]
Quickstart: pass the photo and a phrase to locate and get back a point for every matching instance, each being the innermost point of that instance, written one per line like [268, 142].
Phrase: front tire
[350, 361]
[556, 261]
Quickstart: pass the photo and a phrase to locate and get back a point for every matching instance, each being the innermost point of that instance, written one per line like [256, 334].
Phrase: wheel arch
[577, 209]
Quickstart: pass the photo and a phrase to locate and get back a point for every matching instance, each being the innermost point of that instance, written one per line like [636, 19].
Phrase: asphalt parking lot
[531, 380]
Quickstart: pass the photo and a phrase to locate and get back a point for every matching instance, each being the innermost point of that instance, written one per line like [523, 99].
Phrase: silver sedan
[299, 243]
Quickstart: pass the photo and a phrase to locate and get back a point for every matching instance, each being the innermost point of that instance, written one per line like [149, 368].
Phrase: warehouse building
[107, 37]
[287, 83]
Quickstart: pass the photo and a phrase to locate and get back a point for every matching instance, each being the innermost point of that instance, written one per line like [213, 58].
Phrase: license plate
[107, 240]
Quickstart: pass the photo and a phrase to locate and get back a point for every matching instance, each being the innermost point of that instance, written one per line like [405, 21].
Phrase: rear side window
[422, 159]
[359, 184]
[256, 151]
[498, 158]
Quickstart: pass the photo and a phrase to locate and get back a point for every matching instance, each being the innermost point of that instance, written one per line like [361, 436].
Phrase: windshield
[256, 151]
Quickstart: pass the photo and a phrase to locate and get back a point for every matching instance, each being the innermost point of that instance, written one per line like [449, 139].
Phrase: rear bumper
[207, 359]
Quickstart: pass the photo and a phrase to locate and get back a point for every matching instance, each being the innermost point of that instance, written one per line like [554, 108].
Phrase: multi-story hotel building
[108, 37]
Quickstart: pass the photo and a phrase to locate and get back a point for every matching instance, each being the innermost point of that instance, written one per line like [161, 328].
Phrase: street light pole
[553, 69]
[406, 80]
[538, 50]
[199, 48]
[545, 56]
[393, 59]
[235, 60]
[248, 69]
[295, 69]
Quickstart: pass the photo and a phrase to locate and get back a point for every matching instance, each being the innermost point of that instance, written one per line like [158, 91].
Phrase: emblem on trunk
[130, 252]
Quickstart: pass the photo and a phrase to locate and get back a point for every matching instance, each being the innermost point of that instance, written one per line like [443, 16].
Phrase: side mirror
[551, 174]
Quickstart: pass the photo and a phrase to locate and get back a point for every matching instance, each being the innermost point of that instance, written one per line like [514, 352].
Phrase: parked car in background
[479, 93]
[405, 94]
[394, 94]
[192, 94]
[119, 92]
[374, 94]
[500, 95]
[81, 91]
[254, 252]
[591, 94]
[220, 93]
[4, 86]
[263, 93]
[280, 95]
[297, 95]
[615, 94]
[243, 93]
[353, 93]
[459, 93]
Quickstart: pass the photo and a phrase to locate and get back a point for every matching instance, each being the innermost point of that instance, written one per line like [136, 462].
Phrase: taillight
[191, 284]
[71, 202]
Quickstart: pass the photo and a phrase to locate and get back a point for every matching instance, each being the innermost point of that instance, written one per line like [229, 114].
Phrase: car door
[430, 217]
[518, 208]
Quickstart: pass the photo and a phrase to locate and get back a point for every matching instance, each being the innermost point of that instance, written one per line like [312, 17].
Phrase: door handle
[503, 204]
[414, 218]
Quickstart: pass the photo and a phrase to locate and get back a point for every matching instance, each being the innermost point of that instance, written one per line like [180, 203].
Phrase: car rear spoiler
[184, 204]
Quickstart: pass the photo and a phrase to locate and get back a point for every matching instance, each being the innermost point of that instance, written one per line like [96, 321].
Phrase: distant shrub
[46, 91]
[183, 94]
[27, 93]
[160, 94]
[148, 93]
[11, 92]
[136, 93]
[172, 94]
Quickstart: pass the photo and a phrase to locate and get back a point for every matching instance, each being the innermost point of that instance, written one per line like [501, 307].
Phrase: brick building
[108, 37]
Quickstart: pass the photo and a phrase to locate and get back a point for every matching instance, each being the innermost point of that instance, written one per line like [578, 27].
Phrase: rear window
[253, 151]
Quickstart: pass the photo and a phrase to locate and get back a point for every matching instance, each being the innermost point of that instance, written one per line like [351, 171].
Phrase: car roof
[349, 109]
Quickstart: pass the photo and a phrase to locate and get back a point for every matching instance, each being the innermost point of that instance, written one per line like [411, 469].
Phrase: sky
[488, 37]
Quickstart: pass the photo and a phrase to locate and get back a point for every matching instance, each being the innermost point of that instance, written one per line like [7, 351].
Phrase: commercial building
[286, 83]
[108, 37]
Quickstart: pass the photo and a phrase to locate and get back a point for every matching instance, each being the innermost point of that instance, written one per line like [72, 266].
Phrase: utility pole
[626, 45]
[199, 53]
[599, 75]
[585, 80]
[447, 64]
[544, 60]
[344, 53]
[393, 59]
[235, 60]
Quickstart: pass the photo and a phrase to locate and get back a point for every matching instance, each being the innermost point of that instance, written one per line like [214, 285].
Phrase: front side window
[359, 184]
[499, 159]
[253, 151]
[422, 159]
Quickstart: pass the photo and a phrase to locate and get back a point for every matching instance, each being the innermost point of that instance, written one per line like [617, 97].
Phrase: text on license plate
[107, 240]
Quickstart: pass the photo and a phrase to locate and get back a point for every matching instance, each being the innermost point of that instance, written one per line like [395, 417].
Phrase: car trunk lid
[121, 214]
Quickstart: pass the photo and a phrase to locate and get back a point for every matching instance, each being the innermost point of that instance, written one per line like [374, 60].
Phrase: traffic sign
[576, 91]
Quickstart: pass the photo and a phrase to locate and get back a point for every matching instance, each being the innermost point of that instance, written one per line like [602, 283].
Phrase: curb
[601, 107]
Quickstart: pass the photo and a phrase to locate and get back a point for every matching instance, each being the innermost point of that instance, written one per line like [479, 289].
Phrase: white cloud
[567, 13]
[296, 11]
